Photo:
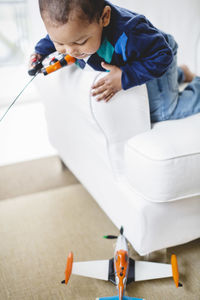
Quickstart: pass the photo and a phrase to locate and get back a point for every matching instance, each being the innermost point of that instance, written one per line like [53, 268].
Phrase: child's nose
[71, 50]
[61, 49]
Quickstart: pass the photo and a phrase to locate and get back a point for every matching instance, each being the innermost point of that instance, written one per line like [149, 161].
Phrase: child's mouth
[79, 56]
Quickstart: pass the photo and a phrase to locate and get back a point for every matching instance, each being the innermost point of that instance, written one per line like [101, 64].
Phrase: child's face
[78, 37]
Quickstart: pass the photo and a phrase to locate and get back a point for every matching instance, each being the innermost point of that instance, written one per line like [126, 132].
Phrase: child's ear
[105, 17]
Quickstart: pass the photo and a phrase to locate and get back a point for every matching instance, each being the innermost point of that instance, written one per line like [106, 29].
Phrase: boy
[126, 44]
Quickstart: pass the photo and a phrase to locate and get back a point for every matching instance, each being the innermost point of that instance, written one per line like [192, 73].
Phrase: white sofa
[145, 177]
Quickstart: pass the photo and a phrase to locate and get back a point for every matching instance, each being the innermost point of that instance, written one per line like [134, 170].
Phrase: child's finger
[107, 66]
[109, 97]
[98, 83]
[103, 96]
[99, 90]
[34, 58]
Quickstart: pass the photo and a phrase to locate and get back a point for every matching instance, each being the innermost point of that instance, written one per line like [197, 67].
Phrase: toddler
[127, 46]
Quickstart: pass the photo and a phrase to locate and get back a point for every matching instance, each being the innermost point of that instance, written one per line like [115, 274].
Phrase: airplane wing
[98, 269]
[151, 270]
[143, 270]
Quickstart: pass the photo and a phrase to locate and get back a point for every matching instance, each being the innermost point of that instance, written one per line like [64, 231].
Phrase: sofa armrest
[121, 118]
[124, 116]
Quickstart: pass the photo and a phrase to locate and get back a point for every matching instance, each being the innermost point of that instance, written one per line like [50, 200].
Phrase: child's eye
[58, 44]
[81, 43]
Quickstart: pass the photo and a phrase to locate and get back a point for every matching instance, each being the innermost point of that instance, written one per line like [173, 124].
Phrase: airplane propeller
[111, 237]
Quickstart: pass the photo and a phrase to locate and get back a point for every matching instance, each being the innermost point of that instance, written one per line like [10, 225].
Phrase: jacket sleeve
[147, 53]
[45, 46]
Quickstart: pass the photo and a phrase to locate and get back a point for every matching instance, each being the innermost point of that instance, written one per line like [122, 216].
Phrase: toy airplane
[121, 269]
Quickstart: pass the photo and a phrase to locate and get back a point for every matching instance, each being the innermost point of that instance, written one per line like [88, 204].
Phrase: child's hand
[33, 59]
[108, 86]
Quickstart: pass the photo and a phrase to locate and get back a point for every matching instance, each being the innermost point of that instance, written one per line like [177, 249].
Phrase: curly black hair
[58, 11]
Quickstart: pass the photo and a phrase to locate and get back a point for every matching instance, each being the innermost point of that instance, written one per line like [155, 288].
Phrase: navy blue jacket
[130, 42]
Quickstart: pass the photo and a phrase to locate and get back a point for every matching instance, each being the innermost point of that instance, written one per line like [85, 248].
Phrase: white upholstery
[75, 124]
[118, 124]
[135, 174]
[164, 164]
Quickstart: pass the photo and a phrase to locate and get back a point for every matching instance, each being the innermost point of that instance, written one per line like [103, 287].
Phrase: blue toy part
[117, 298]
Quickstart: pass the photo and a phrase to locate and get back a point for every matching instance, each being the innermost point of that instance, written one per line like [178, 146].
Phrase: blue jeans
[165, 100]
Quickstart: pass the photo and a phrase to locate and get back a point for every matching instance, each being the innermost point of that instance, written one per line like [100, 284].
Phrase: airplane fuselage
[121, 264]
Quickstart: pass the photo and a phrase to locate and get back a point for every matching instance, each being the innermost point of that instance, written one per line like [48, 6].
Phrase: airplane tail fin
[175, 271]
[117, 298]
[68, 269]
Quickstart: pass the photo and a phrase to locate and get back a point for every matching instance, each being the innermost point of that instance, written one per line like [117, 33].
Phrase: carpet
[37, 232]
[34, 176]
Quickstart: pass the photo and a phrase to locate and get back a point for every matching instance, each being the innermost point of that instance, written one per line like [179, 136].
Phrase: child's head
[75, 26]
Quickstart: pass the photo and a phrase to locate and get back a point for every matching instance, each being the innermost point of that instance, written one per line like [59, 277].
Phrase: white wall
[37, 28]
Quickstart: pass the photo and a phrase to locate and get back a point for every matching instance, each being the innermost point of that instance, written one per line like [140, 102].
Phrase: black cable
[17, 97]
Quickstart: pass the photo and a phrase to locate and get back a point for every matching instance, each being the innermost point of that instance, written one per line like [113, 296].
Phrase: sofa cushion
[163, 164]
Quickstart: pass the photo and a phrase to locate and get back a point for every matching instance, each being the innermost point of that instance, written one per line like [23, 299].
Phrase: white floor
[23, 134]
